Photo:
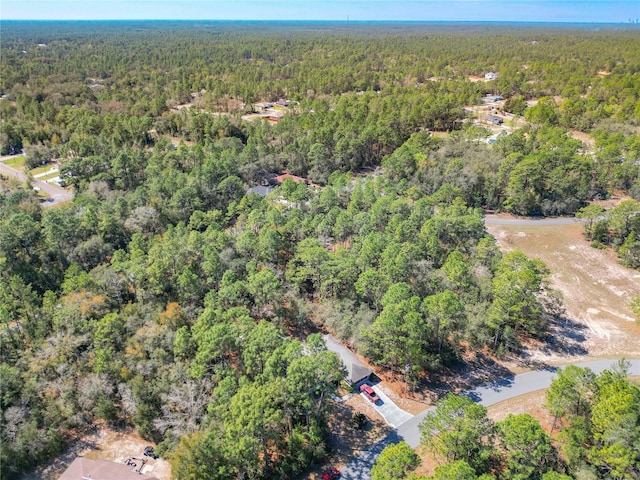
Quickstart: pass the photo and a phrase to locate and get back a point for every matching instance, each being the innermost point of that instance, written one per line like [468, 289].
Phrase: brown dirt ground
[596, 289]
[439, 134]
[585, 138]
[347, 442]
[106, 444]
[530, 403]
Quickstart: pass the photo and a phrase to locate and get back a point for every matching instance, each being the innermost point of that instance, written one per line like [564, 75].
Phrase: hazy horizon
[527, 11]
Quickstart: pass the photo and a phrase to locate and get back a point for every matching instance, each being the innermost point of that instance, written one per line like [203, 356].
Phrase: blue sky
[428, 10]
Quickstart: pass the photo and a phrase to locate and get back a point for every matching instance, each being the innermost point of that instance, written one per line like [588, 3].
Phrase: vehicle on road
[369, 393]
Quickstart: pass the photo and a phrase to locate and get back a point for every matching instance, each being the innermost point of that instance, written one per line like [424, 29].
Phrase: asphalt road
[55, 193]
[486, 394]
[530, 221]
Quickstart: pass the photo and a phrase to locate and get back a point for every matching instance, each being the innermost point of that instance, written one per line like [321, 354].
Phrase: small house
[263, 106]
[489, 76]
[491, 98]
[262, 190]
[494, 119]
[83, 469]
[358, 373]
[277, 180]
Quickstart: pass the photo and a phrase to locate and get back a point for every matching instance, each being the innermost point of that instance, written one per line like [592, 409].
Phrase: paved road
[487, 394]
[531, 221]
[347, 356]
[57, 194]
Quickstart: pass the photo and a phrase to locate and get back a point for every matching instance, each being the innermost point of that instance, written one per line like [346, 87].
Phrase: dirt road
[55, 193]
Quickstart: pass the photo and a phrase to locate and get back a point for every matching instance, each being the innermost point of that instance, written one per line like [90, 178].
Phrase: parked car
[331, 474]
[148, 452]
[369, 393]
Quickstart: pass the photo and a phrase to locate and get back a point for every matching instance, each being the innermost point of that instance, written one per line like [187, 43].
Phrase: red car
[331, 475]
[369, 393]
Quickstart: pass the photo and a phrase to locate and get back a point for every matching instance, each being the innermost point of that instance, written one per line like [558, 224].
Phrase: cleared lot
[596, 289]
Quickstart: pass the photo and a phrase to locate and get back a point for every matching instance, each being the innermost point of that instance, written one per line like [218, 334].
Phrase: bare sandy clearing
[596, 290]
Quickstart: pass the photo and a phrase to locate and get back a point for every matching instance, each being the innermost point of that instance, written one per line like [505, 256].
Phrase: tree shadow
[360, 467]
[564, 336]
[464, 375]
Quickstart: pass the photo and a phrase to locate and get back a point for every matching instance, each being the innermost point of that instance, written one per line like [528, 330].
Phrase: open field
[597, 321]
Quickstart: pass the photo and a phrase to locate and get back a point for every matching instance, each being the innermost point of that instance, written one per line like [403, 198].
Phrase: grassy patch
[49, 176]
[17, 163]
[42, 169]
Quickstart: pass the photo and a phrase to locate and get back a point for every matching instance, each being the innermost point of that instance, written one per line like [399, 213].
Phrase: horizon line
[284, 20]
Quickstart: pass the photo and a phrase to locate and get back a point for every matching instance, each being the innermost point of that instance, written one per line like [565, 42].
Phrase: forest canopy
[167, 297]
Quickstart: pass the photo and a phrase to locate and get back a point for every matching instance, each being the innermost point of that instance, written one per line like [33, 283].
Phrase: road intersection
[486, 394]
[55, 193]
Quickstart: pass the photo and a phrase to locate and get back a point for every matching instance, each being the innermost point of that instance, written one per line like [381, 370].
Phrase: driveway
[487, 394]
[388, 410]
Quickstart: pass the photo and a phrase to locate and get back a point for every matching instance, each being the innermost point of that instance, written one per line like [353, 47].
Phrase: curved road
[486, 394]
[55, 193]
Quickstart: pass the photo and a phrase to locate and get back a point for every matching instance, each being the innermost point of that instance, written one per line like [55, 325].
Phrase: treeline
[260, 60]
[144, 69]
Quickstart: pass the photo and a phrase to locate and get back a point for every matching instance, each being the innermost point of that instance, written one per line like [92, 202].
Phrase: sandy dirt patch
[397, 392]
[439, 134]
[531, 403]
[106, 444]
[585, 138]
[596, 321]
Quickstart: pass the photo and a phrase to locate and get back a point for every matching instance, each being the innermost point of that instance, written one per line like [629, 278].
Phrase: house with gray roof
[85, 469]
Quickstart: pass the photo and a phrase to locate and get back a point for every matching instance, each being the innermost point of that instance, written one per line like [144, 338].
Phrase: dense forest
[166, 298]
